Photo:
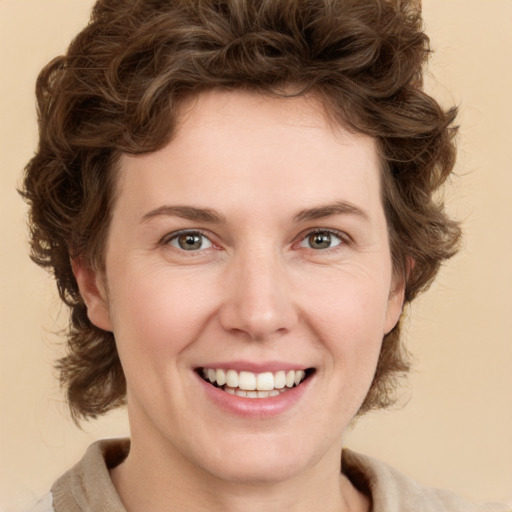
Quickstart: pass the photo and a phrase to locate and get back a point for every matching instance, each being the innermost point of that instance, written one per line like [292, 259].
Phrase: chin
[254, 463]
[259, 472]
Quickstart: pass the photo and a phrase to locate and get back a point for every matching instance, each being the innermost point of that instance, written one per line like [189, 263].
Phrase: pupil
[320, 240]
[189, 241]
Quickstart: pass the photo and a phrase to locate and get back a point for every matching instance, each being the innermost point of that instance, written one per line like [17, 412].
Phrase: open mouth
[254, 385]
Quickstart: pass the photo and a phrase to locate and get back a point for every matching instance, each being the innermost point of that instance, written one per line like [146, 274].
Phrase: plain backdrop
[455, 430]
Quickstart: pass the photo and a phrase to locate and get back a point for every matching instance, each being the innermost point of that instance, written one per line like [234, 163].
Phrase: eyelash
[187, 232]
[340, 236]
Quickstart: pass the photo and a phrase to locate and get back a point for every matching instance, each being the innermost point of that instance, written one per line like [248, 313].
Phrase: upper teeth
[249, 381]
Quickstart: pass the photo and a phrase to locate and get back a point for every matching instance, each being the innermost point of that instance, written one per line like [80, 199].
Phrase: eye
[319, 240]
[190, 241]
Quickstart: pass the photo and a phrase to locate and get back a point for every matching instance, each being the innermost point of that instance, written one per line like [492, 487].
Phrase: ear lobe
[92, 289]
[395, 305]
[397, 296]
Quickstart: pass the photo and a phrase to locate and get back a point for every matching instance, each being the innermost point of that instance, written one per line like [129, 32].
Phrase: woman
[236, 199]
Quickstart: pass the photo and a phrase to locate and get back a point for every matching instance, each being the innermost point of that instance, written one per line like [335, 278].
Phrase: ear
[397, 297]
[94, 293]
[395, 306]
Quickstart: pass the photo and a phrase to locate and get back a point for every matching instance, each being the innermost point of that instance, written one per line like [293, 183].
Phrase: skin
[272, 170]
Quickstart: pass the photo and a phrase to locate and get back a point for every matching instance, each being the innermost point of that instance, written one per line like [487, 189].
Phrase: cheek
[350, 304]
[156, 316]
[349, 317]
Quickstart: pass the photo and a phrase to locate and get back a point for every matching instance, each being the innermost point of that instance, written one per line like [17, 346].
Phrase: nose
[258, 299]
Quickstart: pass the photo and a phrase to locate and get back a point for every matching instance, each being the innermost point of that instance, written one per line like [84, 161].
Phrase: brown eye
[190, 241]
[319, 240]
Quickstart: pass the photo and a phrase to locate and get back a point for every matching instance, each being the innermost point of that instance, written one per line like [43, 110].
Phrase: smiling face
[248, 255]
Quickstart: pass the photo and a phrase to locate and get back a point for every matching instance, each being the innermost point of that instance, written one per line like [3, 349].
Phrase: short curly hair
[118, 88]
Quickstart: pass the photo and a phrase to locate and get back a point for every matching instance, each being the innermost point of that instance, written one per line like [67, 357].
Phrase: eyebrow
[327, 210]
[212, 216]
[185, 212]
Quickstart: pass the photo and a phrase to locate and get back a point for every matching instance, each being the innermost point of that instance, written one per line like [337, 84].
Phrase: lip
[255, 408]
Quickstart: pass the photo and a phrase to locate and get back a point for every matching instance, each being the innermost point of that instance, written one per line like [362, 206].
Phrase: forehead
[254, 145]
[261, 114]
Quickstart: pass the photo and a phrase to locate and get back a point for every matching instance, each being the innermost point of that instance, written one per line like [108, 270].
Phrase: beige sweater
[87, 487]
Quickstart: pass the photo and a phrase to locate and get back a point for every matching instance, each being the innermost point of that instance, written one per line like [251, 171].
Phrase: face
[249, 286]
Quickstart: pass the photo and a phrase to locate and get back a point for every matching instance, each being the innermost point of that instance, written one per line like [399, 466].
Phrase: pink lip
[270, 366]
[255, 408]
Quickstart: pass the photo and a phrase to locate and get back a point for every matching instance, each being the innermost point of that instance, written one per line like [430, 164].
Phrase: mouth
[254, 385]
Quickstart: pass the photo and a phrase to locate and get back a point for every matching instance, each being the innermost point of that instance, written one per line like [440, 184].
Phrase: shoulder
[393, 491]
[45, 504]
[87, 485]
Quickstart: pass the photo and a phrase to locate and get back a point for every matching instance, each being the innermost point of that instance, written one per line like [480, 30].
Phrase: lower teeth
[254, 394]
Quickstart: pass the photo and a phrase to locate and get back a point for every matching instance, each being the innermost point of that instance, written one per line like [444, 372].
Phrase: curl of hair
[118, 89]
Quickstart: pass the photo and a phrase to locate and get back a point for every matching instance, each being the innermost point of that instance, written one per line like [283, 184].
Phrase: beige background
[456, 430]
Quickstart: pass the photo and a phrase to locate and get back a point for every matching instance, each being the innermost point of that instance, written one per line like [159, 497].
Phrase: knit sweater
[87, 486]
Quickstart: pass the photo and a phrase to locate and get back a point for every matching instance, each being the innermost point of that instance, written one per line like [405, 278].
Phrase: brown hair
[118, 88]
